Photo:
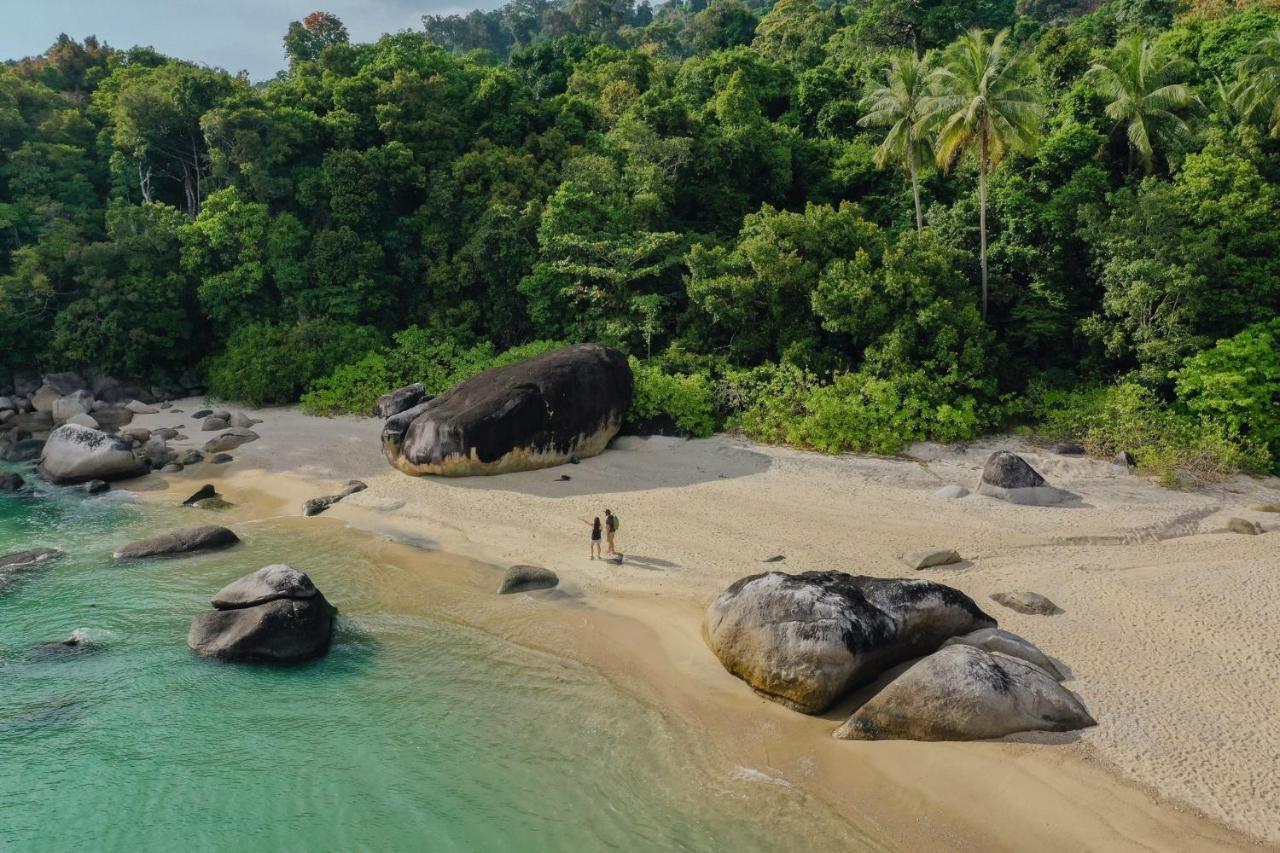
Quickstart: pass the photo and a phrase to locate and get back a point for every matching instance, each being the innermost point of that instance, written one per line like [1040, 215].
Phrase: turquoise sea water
[414, 733]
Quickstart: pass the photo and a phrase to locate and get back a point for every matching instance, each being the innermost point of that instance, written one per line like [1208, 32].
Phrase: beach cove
[1165, 615]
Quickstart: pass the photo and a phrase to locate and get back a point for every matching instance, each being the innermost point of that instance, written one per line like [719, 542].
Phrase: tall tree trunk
[982, 214]
[915, 191]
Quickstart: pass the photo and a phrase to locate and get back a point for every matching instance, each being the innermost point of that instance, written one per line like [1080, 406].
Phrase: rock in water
[927, 558]
[96, 487]
[266, 584]
[10, 482]
[1007, 476]
[315, 506]
[1031, 603]
[14, 566]
[183, 541]
[965, 693]
[805, 640]
[399, 400]
[75, 454]
[533, 414]
[205, 491]
[25, 450]
[1007, 643]
[275, 614]
[527, 579]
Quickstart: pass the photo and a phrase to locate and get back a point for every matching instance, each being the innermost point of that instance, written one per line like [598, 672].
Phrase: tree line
[845, 227]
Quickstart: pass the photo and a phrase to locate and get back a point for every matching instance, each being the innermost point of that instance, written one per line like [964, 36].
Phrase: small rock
[172, 468]
[230, 440]
[202, 414]
[97, 487]
[527, 579]
[220, 458]
[927, 558]
[165, 434]
[1069, 448]
[1244, 526]
[211, 423]
[70, 405]
[1008, 477]
[563, 478]
[1124, 459]
[951, 492]
[166, 405]
[11, 482]
[573, 460]
[83, 420]
[205, 491]
[399, 400]
[616, 559]
[1267, 507]
[242, 421]
[215, 503]
[1031, 603]
[191, 457]
[776, 558]
[315, 506]
[140, 408]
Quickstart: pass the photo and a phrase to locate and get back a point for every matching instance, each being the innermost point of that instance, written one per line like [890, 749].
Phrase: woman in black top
[595, 536]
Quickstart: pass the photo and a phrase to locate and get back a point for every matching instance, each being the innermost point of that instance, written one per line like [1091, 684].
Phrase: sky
[232, 34]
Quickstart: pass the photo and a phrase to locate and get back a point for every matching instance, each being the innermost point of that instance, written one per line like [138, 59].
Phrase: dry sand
[1169, 627]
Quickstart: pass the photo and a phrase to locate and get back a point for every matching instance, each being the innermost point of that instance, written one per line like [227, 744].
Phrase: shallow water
[415, 732]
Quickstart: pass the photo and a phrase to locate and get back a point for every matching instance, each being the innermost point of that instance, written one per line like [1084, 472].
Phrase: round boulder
[966, 693]
[806, 640]
[76, 454]
[275, 615]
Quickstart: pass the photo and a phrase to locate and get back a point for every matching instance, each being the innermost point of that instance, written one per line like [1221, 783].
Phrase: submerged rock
[23, 450]
[96, 487]
[1031, 603]
[75, 454]
[315, 506]
[928, 558]
[536, 413]
[275, 614]
[184, 541]
[966, 693]
[14, 566]
[11, 482]
[1008, 477]
[527, 579]
[805, 640]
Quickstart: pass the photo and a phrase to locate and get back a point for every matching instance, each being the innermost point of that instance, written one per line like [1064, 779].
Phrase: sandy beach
[1168, 631]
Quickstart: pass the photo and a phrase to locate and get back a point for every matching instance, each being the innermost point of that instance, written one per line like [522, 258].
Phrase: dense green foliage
[845, 227]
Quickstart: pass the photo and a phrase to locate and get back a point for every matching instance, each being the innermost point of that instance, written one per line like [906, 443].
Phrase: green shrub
[351, 388]
[689, 399]
[1178, 447]
[266, 363]
[1236, 384]
[764, 402]
[418, 355]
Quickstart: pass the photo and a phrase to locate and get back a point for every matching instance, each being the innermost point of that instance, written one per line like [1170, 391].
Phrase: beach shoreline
[697, 515]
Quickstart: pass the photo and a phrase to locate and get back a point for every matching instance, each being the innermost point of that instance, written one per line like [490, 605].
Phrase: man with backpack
[610, 529]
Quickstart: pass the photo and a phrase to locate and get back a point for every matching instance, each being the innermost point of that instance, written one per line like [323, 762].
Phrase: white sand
[1170, 625]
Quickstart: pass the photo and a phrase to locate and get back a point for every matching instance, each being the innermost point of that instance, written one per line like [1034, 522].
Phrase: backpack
[613, 524]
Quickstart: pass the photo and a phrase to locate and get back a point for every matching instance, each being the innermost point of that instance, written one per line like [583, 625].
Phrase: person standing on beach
[595, 536]
[610, 529]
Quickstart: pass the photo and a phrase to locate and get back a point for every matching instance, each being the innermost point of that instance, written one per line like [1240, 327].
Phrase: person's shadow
[652, 564]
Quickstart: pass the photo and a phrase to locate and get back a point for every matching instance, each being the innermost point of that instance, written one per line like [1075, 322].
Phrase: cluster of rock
[809, 640]
[274, 615]
[537, 413]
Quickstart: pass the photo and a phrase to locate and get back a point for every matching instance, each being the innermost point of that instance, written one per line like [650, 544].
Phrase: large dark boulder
[399, 400]
[962, 692]
[805, 640]
[76, 454]
[539, 412]
[183, 541]
[275, 614]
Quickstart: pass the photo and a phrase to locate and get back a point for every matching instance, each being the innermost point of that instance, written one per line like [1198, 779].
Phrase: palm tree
[1256, 97]
[1141, 81]
[981, 105]
[896, 105]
